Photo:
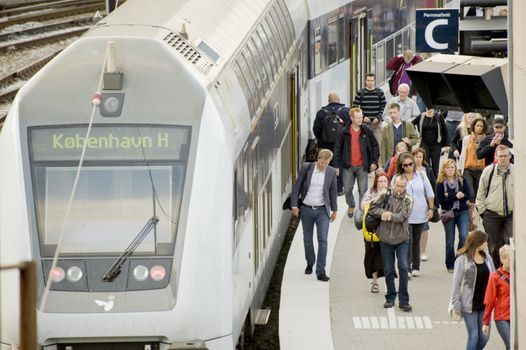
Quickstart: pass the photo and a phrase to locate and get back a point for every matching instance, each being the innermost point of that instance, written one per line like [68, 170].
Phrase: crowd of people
[420, 160]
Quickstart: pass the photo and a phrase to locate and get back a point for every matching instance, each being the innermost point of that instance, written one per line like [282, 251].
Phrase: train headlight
[57, 274]
[74, 274]
[140, 272]
[157, 273]
[111, 104]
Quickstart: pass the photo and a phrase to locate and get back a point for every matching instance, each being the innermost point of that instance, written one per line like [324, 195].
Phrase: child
[498, 298]
[390, 166]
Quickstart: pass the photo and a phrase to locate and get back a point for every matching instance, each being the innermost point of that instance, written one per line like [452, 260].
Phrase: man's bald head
[334, 98]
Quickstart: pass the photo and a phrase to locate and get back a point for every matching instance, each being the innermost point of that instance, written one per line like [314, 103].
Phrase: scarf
[452, 186]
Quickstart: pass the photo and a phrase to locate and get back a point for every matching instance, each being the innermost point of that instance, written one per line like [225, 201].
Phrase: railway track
[45, 28]
[12, 82]
[43, 40]
[53, 13]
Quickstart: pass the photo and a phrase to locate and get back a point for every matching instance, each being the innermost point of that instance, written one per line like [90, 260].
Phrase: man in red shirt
[356, 152]
[498, 298]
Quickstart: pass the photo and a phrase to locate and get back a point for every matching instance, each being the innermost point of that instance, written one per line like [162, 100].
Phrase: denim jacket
[464, 279]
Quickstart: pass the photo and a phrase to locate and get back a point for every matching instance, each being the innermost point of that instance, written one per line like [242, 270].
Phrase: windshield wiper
[115, 269]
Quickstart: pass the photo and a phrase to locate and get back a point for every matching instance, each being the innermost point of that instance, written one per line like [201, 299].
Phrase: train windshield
[130, 174]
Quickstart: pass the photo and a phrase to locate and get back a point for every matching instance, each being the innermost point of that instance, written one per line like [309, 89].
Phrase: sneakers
[415, 273]
[350, 212]
[405, 307]
[388, 304]
[423, 257]
[323, 277]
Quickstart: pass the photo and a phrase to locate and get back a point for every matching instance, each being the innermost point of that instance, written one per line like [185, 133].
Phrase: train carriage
[162, 204]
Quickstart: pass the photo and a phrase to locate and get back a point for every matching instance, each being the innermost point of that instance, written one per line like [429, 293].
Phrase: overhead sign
[437, 30]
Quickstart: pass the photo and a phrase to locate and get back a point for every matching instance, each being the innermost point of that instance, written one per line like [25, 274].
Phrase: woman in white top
[420, 189]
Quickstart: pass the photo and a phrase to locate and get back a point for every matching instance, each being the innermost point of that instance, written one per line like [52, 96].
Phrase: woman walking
[472, 269]
[453, 194]
[424, 170]
[469, 165]
[464, 129]
[420, 189]
[373, 256]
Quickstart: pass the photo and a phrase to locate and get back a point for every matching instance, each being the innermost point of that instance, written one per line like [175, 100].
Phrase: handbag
[447, 215]
[371, 222]
[369, 236]
[436, 215]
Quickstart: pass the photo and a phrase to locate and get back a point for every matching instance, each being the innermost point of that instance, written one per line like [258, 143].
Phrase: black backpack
[331, 126]
[372, 222]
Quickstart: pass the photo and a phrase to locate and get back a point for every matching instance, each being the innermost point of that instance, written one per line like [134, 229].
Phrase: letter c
[429, 34]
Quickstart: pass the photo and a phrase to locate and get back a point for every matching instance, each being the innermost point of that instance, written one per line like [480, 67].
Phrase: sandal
[375, 288]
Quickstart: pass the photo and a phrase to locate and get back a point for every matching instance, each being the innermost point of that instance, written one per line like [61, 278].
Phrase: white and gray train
[175, 223]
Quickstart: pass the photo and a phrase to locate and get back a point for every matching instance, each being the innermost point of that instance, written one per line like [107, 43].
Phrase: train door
[360, 51]
[295, 121]
[256, 204]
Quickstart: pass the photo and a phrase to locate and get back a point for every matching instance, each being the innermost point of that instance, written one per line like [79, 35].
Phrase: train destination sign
[110, 142]
[437, 30]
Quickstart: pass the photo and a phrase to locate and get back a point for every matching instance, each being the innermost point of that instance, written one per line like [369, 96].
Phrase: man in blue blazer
[314, 198]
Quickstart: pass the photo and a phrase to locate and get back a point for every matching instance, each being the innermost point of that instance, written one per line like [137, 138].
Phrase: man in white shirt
[314, 199]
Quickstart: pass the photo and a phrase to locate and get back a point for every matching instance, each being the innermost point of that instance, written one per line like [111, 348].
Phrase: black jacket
[437, 119]
[318, 125]
[447, 202]
[487, 151]
[368, 144]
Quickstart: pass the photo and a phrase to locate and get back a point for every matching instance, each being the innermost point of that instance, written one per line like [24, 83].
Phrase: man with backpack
[372, 102]
[329, 123]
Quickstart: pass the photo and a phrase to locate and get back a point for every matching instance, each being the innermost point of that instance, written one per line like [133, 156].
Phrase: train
[145, 165]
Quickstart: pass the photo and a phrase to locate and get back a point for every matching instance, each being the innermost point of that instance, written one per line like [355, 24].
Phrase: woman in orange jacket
[498, 298]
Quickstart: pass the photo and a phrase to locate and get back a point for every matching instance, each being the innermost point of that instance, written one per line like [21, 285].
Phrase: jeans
[350, 175]
[473, 178]
[309, 217]
[433, 156]
[461, 221]
[413, 253]
[388, 258]
[499, 229]
[476, 339]
[503, 326]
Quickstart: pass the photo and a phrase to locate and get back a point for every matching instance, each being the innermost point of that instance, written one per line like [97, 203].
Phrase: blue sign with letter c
[437, 30]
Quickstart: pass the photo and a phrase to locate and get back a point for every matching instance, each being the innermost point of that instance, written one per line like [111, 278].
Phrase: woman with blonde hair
[473, 267]
[452, 191]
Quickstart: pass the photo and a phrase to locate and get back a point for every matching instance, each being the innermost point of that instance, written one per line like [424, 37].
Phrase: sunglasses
[407, 165]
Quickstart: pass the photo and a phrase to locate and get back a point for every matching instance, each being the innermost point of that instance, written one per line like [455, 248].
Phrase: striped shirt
[372, 102]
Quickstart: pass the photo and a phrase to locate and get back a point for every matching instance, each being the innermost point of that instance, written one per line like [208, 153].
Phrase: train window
[380, 63]
[267, 33]
[288, 19]
[332, 28]
[317, 50]
[249, 77]
[260, 66]
[277, 37]
[282, 27]
[113, 200]
[389, 49]
[406, 39]
[244, 87]
[398, 44]
[269, 50]
[341, 38]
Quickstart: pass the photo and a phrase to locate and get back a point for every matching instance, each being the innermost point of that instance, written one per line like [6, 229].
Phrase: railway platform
[344, 315]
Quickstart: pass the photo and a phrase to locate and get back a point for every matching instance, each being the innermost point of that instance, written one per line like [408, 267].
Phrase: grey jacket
[464, 279]
[396, 230]
[329, 187]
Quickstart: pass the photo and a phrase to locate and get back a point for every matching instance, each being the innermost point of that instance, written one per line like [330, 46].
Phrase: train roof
[215, 29]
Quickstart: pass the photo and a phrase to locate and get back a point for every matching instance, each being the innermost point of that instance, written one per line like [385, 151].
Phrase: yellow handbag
[369, 237]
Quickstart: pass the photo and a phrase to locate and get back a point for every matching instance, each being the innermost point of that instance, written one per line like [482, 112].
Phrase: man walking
[488, 145]
[330, 121]
[393, 233]
[408, 108]
[372, 102]
[315, 202]
[355, 153]
[495, 201]
[396, 131]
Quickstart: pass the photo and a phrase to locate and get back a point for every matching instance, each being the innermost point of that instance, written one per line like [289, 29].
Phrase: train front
[141, 257]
